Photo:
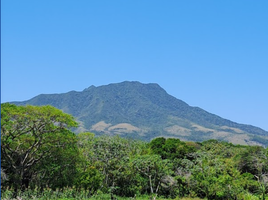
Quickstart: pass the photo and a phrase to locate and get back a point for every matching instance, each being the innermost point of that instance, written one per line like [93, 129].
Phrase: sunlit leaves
[31, 135]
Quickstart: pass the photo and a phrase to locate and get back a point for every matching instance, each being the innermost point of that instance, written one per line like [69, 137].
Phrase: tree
[214, 174]
[171, 148]
[33, 140]
[254, 160]
[89, 177]
[157, 146]
[155, 171]
[110, 155]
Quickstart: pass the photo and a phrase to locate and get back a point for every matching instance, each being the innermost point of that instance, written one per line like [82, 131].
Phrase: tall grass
[68, 194]
[45, 194]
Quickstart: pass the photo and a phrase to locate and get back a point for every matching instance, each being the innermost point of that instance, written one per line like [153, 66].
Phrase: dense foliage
[37, 147]
[39, 152]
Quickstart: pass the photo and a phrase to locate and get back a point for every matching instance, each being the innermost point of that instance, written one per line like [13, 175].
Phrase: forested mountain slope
[146, 111]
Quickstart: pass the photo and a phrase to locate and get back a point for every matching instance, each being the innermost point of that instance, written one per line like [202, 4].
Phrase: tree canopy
[32, 136]
[39, 150]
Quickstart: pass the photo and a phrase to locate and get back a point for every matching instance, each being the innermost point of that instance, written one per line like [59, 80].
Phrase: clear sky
[211, 54]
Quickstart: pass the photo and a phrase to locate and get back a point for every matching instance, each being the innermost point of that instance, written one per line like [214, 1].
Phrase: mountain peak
[133, 84]
[146, 111]
[89, 88]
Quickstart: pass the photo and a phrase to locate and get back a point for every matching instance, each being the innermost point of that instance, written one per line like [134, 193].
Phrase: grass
[68, 194]
[72, 194]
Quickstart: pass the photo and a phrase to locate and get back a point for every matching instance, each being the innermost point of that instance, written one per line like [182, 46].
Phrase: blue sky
[210, 54]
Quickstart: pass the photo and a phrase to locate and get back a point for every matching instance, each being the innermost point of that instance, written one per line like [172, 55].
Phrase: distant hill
[146, 111]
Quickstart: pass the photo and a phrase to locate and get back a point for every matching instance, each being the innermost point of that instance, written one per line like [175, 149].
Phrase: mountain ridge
[146, 111]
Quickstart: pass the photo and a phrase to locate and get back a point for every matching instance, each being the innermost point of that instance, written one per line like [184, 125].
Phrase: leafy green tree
[60, 169]
[89, 177]
[171, 148]
[210, 177]
[33, 140]
[154, 170]
[215, 174]
[111, 157]
[157, 146]
[254, 160]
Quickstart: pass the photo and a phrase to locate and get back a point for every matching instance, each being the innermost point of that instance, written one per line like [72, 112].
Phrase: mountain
[146, 111]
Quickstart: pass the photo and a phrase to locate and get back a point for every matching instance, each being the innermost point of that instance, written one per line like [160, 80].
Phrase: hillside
[146, 111]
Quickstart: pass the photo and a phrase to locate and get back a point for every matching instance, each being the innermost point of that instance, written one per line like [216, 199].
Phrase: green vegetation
[43, 159]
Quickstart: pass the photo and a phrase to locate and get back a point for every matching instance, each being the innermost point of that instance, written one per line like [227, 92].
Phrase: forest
[42, 158]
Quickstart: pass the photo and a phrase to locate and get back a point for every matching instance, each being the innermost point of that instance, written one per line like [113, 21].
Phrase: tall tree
[31, 136]
[154, 170]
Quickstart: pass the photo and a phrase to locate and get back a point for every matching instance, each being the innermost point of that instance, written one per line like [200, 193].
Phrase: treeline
[38, 151]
